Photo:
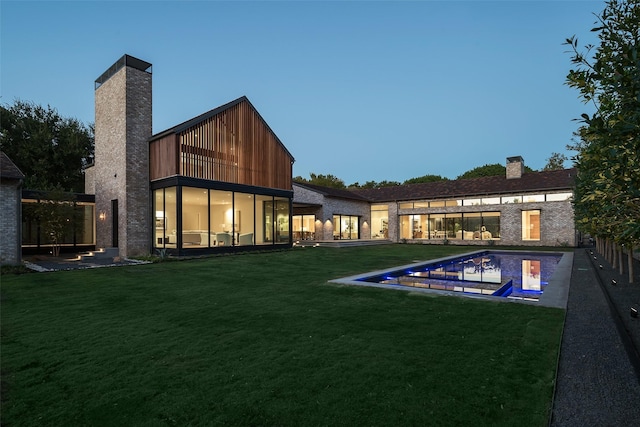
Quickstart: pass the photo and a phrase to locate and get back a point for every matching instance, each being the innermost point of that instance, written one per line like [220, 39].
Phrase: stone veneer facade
[10, 206]
[122, 128]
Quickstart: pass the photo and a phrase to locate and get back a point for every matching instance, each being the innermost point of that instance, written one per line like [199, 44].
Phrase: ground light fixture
[634, 312]
[613, 282]
[601, 267]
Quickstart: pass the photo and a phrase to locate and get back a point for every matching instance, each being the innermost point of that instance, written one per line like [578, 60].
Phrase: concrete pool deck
[555, 293]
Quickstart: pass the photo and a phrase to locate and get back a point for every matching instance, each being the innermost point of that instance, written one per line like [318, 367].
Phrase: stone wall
[121, 171]
[556, 222]
[10, 226]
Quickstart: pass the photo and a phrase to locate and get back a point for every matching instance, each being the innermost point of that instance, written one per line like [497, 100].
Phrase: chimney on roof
[515, 167]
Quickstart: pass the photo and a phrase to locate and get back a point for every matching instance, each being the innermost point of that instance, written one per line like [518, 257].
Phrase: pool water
[515, 275]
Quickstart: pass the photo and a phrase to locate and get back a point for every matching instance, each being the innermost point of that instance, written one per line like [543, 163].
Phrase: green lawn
[263, 339]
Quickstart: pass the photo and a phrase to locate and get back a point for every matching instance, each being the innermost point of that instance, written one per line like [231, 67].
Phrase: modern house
[222, 181]
[530, 209]
[218, 182]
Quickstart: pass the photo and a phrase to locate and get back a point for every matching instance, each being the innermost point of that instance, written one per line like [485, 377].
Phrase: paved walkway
[598, 383]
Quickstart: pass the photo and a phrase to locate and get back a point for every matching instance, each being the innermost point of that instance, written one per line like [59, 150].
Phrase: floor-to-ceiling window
[283, 213]
[346, 227]
[379, 221]
[244, 218]
[212, 218]
[458, 226]
[165, 232]
[304, 227]
[531, 225]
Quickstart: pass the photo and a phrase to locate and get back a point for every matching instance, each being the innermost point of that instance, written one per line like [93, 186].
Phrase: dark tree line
[49, 149]
[607, 195]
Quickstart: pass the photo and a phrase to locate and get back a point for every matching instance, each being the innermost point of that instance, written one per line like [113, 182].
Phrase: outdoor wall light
[102, 216]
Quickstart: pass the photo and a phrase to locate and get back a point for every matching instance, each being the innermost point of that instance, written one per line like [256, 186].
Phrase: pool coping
[555, 294]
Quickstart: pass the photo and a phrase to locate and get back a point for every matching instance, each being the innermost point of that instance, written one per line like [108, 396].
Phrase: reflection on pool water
[516, 275]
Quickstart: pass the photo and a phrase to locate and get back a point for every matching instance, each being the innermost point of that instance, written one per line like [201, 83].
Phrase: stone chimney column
[121, 171]
[515, 167]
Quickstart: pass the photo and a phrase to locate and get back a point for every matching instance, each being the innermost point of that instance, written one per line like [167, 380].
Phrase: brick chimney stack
[515, 167]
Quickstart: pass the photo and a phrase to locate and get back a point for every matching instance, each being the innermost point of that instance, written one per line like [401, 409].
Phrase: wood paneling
[163, 157]
[235, 146]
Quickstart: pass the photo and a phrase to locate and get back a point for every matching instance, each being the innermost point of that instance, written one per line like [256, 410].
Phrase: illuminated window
[531, 225]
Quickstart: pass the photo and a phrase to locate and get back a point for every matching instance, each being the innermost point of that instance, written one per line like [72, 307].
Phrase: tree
[322, 180]
[425, 178]
[486, 170]
[56, 214]
[49, 149]
[607, 196]
[555, 162]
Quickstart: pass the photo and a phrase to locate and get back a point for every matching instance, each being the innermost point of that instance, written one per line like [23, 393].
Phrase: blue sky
[361, 90]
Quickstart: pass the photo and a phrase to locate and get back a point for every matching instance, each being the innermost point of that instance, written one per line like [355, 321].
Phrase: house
[222, 182]
[528, 209]
[11, 179]
[218, 182]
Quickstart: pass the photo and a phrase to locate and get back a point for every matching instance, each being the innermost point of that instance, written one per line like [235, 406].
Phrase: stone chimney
[515, 167]
[121, 171]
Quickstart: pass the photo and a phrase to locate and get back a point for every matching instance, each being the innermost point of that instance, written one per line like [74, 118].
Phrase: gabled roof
[205, 116]
[8, 169]
[333, 192]
[489, 185]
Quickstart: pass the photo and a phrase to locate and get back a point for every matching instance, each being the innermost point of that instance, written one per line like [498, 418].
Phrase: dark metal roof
[202, 117]
[333, 192]
[484, 186]
[8, 169]
[124, 61]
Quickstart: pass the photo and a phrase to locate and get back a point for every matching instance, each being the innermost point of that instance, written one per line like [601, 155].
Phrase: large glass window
[346, 227]
[531, 225]
[221, 218]
[437, 226]
[195, 214]
[558, 197]
[304, 227]
[490, 225]
[244, 225]
[453, 224]
[471, 226]
[165, 232]
[266, 230]
[282, 220]
[380, 221]
[85, 234]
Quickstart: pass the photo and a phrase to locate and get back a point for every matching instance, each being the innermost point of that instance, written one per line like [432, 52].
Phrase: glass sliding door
[304, 227]
[346, 227]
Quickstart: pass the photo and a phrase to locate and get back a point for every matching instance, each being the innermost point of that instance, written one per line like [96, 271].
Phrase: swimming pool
[521, 276]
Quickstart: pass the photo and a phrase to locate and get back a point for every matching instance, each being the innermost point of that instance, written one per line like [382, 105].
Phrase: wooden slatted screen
[235, 146]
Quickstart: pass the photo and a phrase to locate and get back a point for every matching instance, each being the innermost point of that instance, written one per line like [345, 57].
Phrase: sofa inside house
[202, 238]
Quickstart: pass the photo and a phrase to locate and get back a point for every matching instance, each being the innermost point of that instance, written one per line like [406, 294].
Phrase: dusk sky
[361, 90]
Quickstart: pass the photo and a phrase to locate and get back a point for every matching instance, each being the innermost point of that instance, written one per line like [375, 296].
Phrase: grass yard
[262, 339]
